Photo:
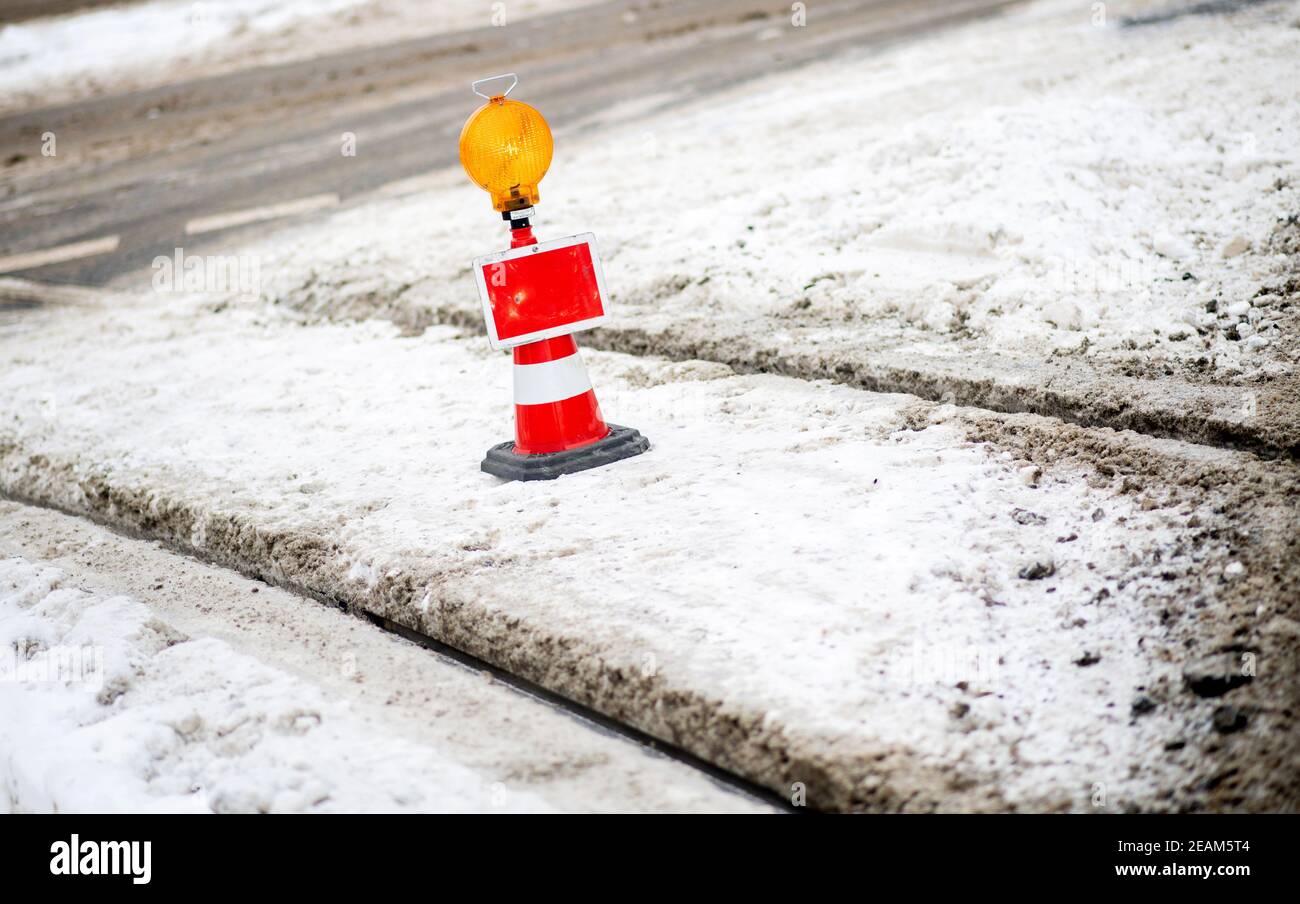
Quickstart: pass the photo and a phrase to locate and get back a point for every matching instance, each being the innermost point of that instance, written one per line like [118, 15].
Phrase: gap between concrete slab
[1068, 389]
[585, 716]
[731, 737]
[588, 716]
[701, 728]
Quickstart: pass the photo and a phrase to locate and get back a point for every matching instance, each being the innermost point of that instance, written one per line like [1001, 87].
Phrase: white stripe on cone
[552, 381]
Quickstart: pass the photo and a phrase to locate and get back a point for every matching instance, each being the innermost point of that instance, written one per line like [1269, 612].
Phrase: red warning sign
[541, 291]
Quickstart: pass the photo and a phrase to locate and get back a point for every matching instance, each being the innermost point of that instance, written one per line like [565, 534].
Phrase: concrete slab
[869, 600]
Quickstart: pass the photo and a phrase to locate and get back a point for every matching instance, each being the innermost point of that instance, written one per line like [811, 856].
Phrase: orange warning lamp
[506, 148]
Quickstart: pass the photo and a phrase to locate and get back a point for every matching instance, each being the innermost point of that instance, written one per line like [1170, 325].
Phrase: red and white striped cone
[558, 425]
[555, 406]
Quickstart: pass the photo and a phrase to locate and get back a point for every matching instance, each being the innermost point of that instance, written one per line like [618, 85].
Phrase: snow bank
[1035, 183]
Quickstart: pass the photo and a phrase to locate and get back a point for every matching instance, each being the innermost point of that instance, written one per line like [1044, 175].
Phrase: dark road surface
[22, 10]
[139, 166]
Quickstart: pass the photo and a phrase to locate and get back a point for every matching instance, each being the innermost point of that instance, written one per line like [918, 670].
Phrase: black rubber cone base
[622, 442]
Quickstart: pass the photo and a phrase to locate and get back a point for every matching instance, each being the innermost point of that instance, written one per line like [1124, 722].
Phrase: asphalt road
[21, 10]
[134, 169]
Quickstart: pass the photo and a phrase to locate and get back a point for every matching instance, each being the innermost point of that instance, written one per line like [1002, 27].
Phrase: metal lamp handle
[491, 78]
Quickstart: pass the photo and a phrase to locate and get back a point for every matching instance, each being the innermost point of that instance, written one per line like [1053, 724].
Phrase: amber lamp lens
[505, 148]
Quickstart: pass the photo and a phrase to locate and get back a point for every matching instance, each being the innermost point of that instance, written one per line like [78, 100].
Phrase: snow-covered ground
[843, 566]
[137, 45]
[1038, 183]
[800, 581]
[135, 679]
[173, 724]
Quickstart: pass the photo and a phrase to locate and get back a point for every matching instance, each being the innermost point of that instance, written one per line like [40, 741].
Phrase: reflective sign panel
[541, 291]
